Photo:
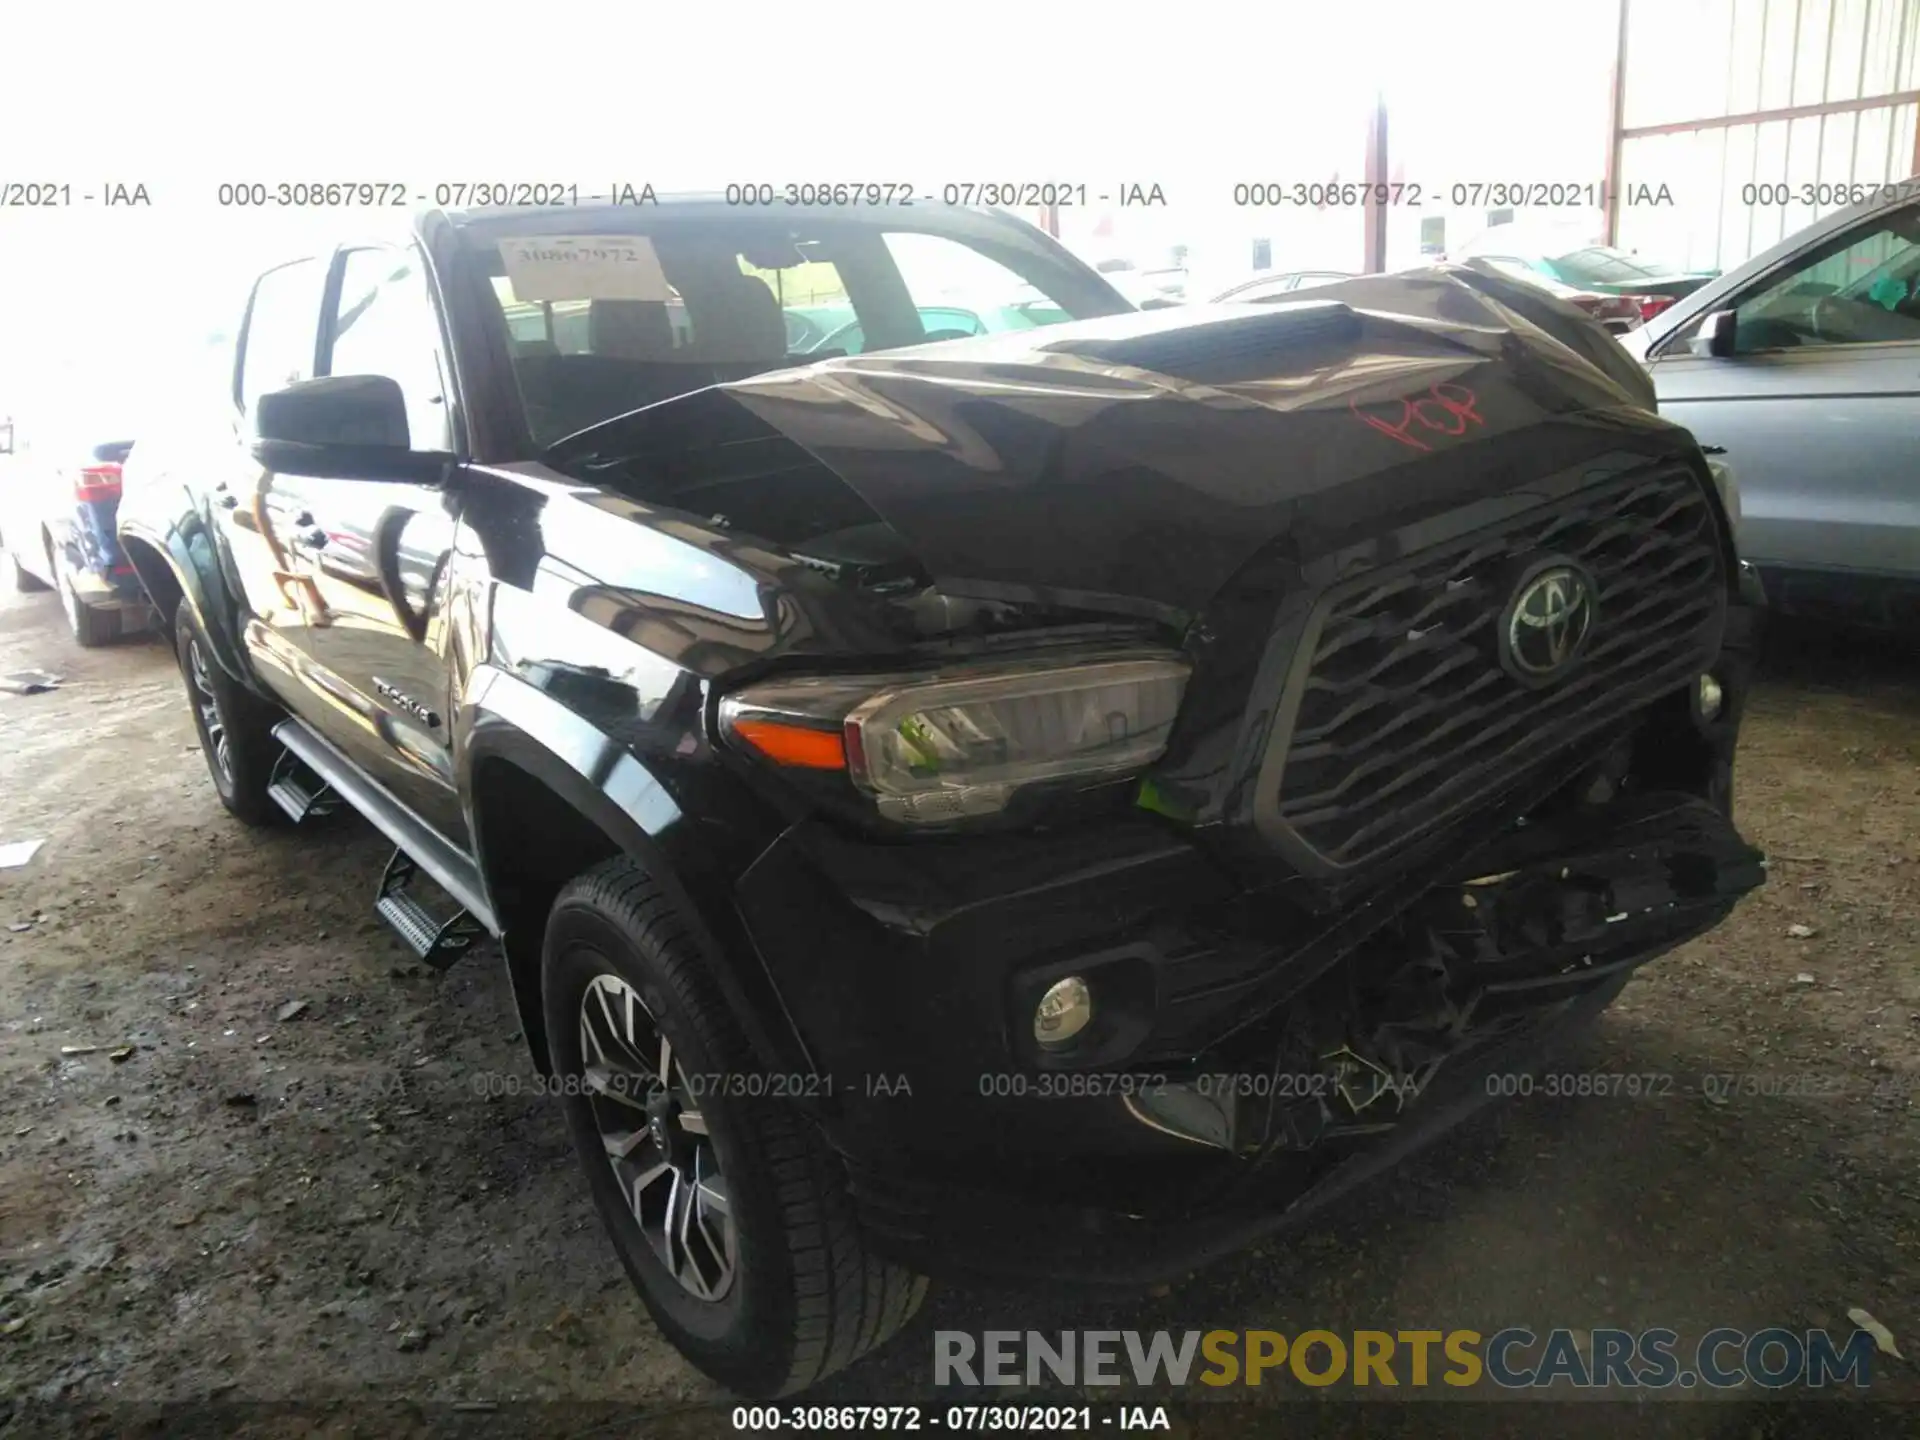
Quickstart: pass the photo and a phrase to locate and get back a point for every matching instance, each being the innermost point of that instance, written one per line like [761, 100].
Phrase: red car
[1619, 313]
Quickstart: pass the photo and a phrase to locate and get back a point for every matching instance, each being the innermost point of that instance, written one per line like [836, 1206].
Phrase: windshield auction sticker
[584, 267]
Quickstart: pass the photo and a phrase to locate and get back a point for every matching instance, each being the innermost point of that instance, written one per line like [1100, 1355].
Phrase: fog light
[1063, 1011]
[1710, 697]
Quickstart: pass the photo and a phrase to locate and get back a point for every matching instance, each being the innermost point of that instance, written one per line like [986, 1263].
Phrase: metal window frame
[1622, 132]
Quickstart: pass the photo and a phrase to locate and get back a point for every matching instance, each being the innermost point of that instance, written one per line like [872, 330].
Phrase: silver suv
[1804, 364]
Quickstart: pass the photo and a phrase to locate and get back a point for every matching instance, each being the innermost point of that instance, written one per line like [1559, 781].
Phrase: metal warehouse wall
[1758, 116]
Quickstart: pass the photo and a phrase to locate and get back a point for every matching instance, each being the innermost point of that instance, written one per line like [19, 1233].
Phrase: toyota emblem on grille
[1547, 622]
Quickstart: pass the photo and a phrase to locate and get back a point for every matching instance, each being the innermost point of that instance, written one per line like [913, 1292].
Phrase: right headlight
[958, 743]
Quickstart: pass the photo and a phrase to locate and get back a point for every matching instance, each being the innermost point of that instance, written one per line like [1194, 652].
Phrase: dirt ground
[290, 1222]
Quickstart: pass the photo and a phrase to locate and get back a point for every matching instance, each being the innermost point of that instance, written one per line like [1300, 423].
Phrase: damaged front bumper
[1256, 1089]
[1574, 909]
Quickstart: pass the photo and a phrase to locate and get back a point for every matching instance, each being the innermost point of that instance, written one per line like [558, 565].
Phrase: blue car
[59, 499]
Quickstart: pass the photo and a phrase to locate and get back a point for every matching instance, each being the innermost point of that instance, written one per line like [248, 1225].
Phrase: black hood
[1137, 462]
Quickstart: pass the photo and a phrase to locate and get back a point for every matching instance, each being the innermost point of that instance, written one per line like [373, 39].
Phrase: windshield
[599, 325]
[1602, 265]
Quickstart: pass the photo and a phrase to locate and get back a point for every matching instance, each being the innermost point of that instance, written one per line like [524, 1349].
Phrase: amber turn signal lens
[794, 744]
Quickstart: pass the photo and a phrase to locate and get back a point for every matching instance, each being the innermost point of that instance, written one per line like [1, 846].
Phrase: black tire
[242, 775]
[18, 579]
[89, 625]
[804, 1297]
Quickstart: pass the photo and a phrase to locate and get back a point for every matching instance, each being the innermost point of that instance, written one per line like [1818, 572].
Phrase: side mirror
[1715, 335]
[342, 427]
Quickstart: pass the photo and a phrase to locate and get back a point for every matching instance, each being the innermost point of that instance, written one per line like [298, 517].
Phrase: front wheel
[730, 1214]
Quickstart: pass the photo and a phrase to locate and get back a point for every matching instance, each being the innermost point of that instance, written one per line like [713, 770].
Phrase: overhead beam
[1787, 112]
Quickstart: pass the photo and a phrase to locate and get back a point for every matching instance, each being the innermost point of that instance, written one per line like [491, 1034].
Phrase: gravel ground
[292, 1206]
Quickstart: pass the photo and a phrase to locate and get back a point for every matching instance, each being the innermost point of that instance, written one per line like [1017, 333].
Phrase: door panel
[1824, 444]
[254, 511]
[376, 551]
[1816, 406]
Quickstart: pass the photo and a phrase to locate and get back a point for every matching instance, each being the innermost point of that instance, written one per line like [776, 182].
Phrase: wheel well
[532, 843]
[162, 586]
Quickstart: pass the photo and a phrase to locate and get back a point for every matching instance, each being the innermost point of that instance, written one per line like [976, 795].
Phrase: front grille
[1404, 714]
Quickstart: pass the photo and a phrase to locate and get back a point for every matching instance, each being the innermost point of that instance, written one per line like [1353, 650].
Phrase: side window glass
[385, 325]
[282, 325]
[1861, 288]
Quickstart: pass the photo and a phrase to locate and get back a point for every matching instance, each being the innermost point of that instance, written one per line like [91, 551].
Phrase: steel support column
[1616, 129]
[1374, 208]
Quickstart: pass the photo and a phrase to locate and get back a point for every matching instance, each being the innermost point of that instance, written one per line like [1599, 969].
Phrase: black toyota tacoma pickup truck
[1059, 803]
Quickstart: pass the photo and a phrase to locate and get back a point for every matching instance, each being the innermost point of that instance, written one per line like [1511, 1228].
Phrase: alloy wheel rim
[656, 1140]
[207, 705]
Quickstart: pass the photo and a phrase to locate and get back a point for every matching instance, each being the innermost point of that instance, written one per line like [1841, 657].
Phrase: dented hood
[1137, 462]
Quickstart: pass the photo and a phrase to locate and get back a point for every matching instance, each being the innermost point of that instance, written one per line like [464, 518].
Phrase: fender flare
[187, 548]
[505, 719]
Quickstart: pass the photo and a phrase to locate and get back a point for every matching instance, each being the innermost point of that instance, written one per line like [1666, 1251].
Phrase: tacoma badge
[407, 703]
